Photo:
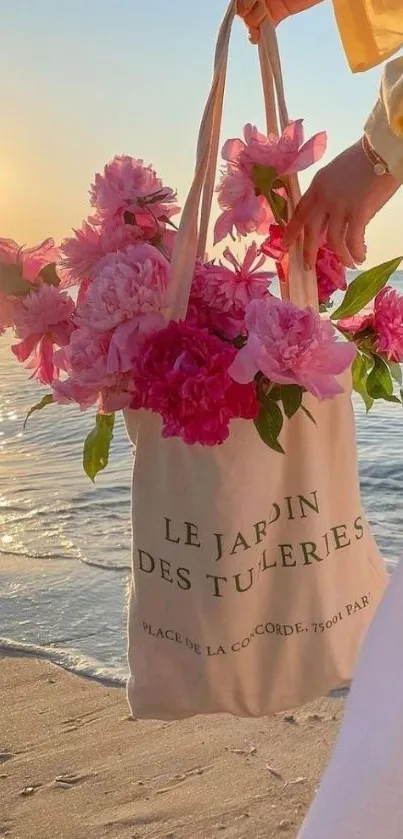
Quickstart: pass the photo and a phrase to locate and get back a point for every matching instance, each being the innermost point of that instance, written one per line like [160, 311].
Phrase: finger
[336, 236]
[355, 239]
[313, 236]
[299, 218]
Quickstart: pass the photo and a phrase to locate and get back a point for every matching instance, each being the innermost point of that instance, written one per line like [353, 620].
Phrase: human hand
[342, 198]
[253, 12]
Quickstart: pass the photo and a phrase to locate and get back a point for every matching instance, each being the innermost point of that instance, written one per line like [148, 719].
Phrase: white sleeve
[361, 794]
[384, 127]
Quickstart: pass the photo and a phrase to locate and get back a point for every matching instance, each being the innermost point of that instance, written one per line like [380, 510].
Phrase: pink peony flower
[85, 360]
[290, 345]
[388, 324]
[68, 391]
[127, 295]
[286, 154]
[42, 319]
[83, 252]
[130, 192]
[182, 374]
[244, 206]
[30, 260]
[7, 306]
[219, 294]
[113, 397]
[330, 272]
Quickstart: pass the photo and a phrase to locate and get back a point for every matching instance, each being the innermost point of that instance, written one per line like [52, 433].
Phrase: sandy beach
[74, 765]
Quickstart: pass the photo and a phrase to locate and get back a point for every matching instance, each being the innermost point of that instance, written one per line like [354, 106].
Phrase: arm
[345, 195]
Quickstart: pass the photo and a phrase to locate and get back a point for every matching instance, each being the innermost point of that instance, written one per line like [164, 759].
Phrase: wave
[92, 564]
[36, 555]
[123, 567]
[77, 664]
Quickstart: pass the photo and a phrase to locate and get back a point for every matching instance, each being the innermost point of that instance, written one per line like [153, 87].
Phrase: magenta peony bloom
[383, 324]
[290, 345]
[130, 192]
[274, 246]
[127, 295]
[30, 260]
[388, 324]
[182, 374]
[356, 324]
[238, 196]
[219, 294]
[42, 319]
[331, 274]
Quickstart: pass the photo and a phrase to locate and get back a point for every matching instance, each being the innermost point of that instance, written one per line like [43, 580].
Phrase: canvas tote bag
[254, 574]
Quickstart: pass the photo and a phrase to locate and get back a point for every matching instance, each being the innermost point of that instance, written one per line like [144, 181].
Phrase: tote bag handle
[301, 286]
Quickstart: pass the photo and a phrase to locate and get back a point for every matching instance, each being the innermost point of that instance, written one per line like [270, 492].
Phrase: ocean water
[65, 543]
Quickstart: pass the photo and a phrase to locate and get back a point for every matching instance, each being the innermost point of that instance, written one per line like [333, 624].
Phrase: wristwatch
[379, 166]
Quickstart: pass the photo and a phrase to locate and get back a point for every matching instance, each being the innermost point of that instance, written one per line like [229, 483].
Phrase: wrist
[379, 166]
[387, 145]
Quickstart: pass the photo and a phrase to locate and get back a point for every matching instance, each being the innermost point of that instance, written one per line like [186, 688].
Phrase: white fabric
[361, 795]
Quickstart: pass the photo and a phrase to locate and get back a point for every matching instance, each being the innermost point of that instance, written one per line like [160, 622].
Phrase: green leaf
[379, 381]
[308, 414]
[46, 400]
[269, 423]
[263, 178]
[396, 372]
[273, 393]
[291, 396]
[97, 445]
[365, 287]
[49, 275]
[360, 369]
[11, 281]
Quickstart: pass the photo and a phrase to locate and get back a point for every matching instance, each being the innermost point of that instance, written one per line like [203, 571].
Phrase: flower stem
[274, 209]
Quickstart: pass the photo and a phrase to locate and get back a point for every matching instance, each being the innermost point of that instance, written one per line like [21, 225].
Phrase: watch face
[380, 169]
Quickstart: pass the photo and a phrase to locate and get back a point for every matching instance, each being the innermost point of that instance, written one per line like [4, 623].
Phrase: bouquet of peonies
[241, 352]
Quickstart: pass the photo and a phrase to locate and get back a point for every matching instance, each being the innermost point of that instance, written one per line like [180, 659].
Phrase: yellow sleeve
[371, 30]
[384, 127]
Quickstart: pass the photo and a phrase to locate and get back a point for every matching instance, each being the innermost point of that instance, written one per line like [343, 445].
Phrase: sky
[82, 80]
